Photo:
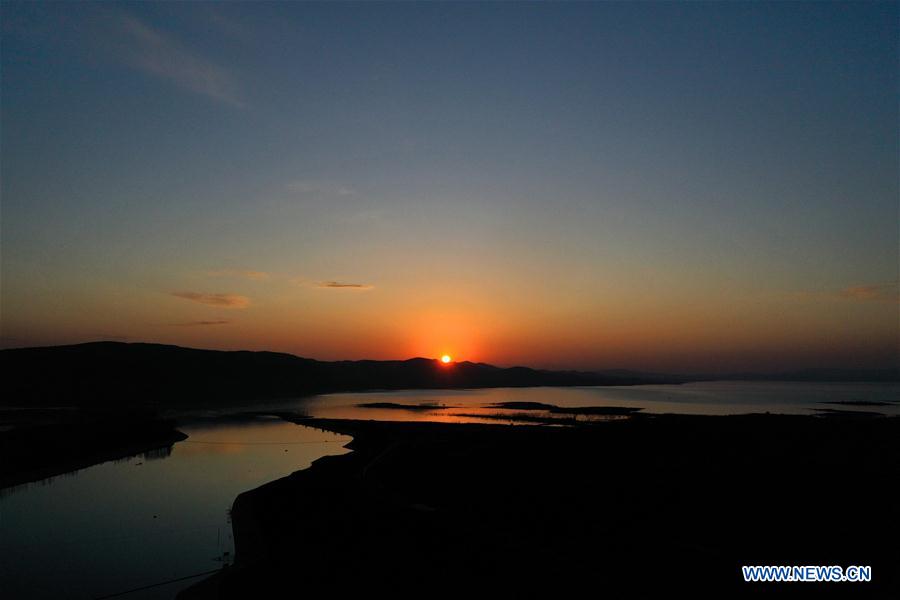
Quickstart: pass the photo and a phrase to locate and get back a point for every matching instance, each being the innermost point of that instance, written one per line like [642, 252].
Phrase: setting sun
[445, 359]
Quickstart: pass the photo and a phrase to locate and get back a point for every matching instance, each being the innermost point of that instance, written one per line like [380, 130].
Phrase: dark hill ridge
[116, 373]
[129, 374]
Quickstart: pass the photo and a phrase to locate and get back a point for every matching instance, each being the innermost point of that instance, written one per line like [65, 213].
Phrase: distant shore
[42, 444]
[630, 507]
[138, 375]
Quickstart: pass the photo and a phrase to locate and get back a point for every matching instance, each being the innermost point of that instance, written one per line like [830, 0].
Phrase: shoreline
[421, 503]
[45, 447]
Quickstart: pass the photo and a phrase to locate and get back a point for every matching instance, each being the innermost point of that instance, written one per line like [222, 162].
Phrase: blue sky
[558, 184]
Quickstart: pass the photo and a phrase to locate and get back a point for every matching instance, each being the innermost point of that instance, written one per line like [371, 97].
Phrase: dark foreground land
[651, 506]
[38, 444]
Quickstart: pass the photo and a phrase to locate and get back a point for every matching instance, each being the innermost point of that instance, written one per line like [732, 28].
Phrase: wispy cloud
[247, 274]
[339, 285]
[201, 323]
[219, 300]
[319, 188]
[154, 52]
[878, 291]
[874, 292]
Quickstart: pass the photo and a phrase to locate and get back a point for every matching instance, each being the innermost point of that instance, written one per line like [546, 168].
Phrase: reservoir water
[153, 518]
[702, 398]
[126, 524]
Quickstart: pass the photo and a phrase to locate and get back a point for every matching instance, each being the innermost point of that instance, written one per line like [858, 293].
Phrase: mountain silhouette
[118, 374]
[123, 374]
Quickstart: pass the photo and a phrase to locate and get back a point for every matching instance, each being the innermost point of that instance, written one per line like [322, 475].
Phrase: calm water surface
[705, 398]
[122, 525]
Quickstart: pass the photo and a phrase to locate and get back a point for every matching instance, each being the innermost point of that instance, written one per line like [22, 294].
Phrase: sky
[672, 187]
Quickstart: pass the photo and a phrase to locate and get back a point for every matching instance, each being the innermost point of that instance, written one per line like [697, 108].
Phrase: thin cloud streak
[218, 300]
[319, 188]
[338, 285]
[157, 54]
[878, 292]
[875, 292]
[201, 323]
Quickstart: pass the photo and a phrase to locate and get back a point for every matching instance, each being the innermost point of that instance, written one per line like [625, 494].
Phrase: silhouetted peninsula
[649, 507]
